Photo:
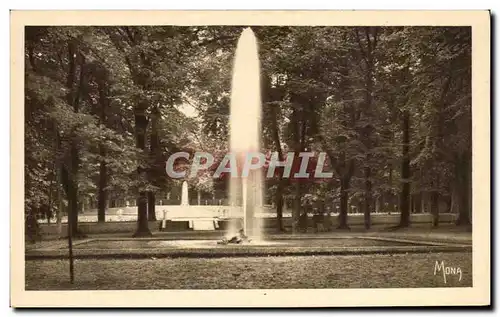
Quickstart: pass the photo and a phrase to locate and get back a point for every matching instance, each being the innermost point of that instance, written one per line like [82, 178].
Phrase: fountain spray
[245, 133]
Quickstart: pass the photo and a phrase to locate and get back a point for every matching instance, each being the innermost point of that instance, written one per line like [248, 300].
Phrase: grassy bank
[367, 271]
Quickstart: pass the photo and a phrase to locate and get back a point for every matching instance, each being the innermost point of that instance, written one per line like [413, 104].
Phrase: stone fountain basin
[151, 248]
[155, 248]
[211, 243]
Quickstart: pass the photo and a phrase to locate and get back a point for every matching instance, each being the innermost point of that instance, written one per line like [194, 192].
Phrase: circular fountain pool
[213, 244]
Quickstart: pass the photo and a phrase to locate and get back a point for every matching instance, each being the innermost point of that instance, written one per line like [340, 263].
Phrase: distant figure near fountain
[185, 194]
[240, 238]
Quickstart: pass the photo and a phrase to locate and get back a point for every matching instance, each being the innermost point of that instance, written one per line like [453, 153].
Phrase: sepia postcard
[250, 158]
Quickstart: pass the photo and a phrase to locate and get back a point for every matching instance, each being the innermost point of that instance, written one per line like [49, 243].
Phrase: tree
[150, 53]
[106, 106]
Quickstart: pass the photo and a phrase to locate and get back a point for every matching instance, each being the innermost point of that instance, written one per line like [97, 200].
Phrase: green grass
[365, 271]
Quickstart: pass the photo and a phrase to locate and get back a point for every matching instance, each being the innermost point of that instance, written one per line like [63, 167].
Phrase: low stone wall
[112, 227]
[172, 226]
[358, 220]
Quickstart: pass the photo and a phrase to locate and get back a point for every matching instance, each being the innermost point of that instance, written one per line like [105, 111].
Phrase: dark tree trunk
[368, 198]
[447, 201]
[390, 196]
[103, 169]
[344, 199]
[142, 216]
[279, 205]
[296, 207]
[73, 208]
[50, 203]
[151, 206]
[70, 177]
[435, 208]
[405, 173]
[435, 202]
[463, 185]
[153, 154]
[280, 187]
[141, 122]
[298, 135]
[70, 187]
[272, 94]
[418, 202]
[425, 206]
[59, 191]
[367, 53]
[53, 183]
[69, 173]
[101, 196]
[378, 203]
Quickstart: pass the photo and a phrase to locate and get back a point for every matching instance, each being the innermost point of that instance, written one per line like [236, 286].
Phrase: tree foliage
[391, 106]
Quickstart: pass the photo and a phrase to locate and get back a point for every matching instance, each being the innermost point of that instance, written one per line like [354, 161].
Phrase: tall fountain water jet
[245, 131]
[184, 194]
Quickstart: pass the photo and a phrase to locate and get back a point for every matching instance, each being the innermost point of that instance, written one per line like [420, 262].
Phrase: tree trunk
[405, 173]
[49, 209]
[142, 216]
[71, 173]
[464, 173]
[60, 206]
[435, 202]
[53, 182]
[151, 206]
[296, 207]
[73, 208]
[59, 213]
[103, 169]
[378, 202]
[368, 198]
[279, 205]
[368, 51]
[101, 195]
[199, 197]
[344, 199]
[271, 94]
[71, 188]
[390, 196]
[298, 143]
[141, 123]
[447, 201]
[435, 208]
[154, 144]
[418, 203]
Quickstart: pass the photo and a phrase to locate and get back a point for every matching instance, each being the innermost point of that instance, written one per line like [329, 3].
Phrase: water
[245, 130]
[290, 244]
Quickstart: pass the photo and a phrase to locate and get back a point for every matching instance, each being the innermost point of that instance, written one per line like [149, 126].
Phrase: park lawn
[357, 271]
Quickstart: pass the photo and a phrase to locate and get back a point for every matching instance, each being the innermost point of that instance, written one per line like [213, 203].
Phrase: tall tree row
[390, 106]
